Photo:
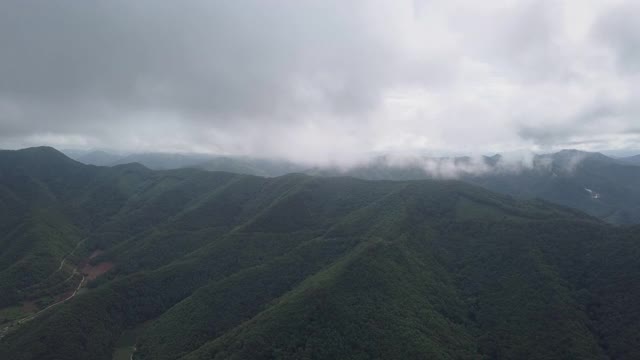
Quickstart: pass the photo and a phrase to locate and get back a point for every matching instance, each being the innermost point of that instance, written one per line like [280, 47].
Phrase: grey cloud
[592, 120]
[619, 29]
[524, 42]
[544, 136]
[312, 80]
[518, 162]
[219, 61]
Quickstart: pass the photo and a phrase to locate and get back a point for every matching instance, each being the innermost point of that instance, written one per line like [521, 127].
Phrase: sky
[320, 80]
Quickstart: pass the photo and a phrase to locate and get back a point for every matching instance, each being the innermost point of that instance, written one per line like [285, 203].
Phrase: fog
[509, 163]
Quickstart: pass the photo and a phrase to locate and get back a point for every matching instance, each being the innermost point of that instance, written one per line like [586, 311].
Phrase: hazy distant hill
[228, 266]
[163, 161]
[591, 182]
[251, 166]
[169, 161]
[99, 158]
[633, 160]
[154, 161]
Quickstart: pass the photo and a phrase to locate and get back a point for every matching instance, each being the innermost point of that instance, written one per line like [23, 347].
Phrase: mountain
[99, 158]
[251, 166]
[190, 264]
[171, 161]
[590, 182]
[163, 161]
[155, 161]
[632, 160]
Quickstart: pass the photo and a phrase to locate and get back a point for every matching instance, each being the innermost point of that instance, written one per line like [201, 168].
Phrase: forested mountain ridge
[591, 182]
[228, 266]
[633, 160]
[172, 161]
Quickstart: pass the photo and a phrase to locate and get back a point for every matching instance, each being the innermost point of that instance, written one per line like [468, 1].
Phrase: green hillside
[591, 182]
[215, 265]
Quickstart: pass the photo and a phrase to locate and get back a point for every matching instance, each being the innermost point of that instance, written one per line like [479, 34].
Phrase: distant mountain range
[633, 160]
[169, 161]
[190, 264]
[98, 157]
[604, 187]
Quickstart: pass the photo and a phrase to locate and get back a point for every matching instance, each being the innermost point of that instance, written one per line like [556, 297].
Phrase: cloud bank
[320, 81]
[410, 166]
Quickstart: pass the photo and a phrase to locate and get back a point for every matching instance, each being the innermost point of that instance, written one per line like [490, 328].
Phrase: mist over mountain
[95, 157]
[169, 161]
[592, 182]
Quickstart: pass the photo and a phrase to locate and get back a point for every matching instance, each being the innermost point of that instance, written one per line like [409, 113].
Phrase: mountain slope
[590, 182]
[632, 160]
[227, 266]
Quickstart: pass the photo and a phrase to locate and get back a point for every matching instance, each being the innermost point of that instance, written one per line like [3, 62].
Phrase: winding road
[33, 316]
[4, 330]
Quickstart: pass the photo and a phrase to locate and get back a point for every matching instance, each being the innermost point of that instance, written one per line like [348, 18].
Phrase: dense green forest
[226, 266]
[601, 186]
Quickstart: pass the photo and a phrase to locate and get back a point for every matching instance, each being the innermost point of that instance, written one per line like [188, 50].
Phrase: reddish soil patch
[93, 271]
[65, 295]
[29, 307]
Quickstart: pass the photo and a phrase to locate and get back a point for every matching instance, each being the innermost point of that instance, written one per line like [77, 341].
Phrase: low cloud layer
[320, 81]
[411, 166]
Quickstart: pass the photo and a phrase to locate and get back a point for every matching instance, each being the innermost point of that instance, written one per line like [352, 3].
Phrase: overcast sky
[325, 80]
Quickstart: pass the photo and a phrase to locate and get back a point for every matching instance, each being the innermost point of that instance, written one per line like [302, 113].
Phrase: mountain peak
[39, 153]
[40, 150]
[573, 154]
[39, 161]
